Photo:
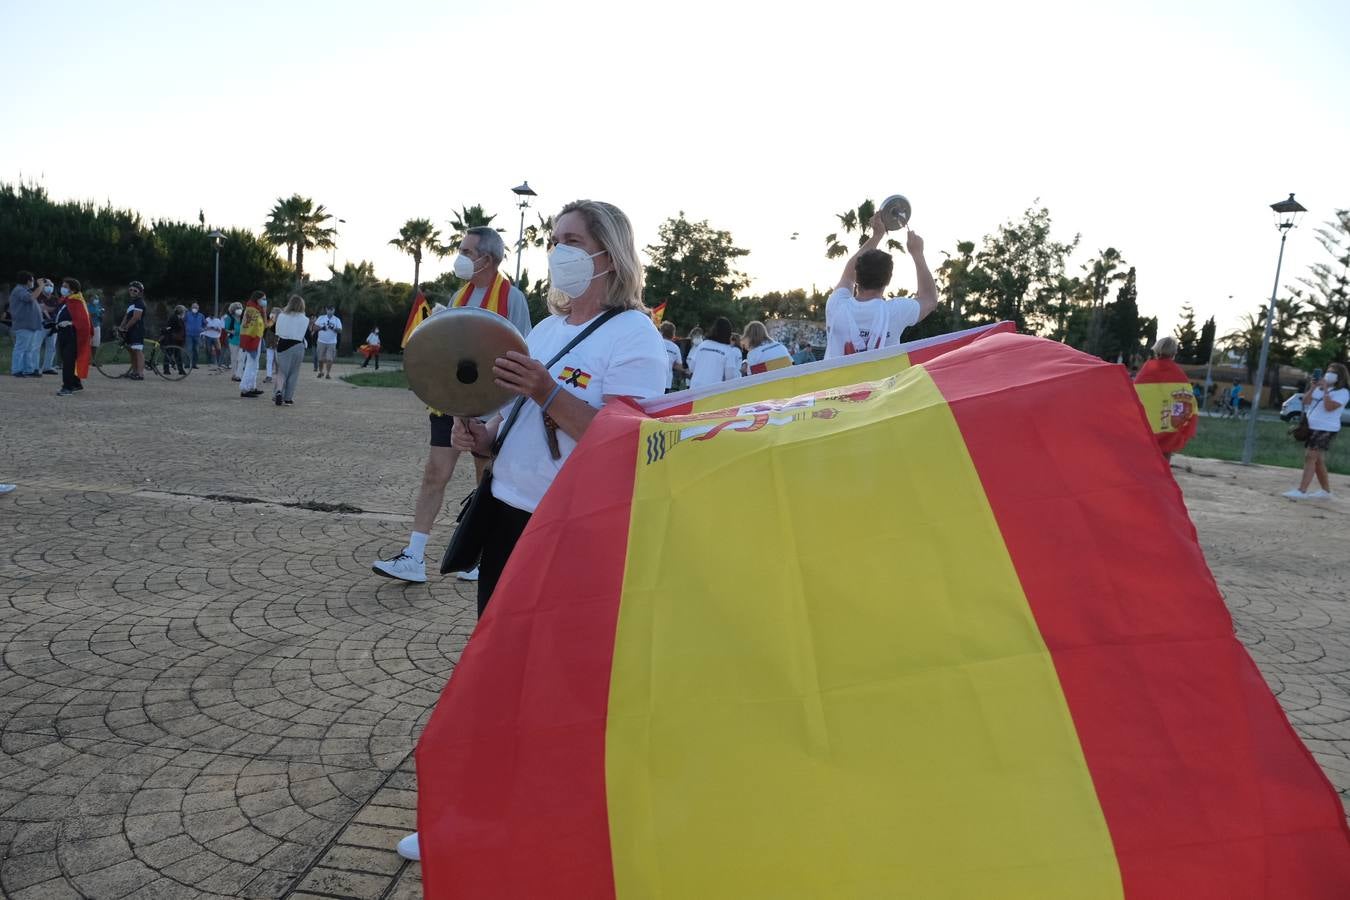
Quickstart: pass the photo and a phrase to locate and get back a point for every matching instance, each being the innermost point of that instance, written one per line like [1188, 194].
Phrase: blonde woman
[1323, 401]
[291, 326]
[763, 353]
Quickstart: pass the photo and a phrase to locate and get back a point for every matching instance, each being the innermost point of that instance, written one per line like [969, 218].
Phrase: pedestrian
[593, 269]
[1168, 397]
[291, 326]
[675, 377]
[193, 323]
[132, 329]
[25, 314]
[763, 353]
[251, 331]
[72, 336]
[715, 360]
[805, 353]
[312, 342]
[858, 315]
[270, 339]
[1323, 403]
[51, 305]
[212, 329]
[95, 305]
[235, 357]
[173, 340]
[371, 348]
[329, 327]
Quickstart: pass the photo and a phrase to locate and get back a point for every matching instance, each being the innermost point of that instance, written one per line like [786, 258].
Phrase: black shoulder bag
[466, 544]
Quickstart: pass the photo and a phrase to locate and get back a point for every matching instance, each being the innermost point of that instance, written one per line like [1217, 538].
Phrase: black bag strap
[520, 401]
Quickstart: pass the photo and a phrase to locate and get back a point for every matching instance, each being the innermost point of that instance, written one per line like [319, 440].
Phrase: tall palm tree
[353, 288]
[467, 217]
[416, 237]
[1101, 273]
[298, 224]
[851, 221]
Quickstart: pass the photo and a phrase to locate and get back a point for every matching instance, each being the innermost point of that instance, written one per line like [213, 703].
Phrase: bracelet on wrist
[543, 407]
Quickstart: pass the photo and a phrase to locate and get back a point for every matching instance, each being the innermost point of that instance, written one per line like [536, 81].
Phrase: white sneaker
[1295, 494]
[6, 488]
[471, 575]
[403, 567]
[1320, 494]
[409, 848]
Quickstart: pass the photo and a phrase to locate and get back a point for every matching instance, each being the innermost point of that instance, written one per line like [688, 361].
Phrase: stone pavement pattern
[206, 693]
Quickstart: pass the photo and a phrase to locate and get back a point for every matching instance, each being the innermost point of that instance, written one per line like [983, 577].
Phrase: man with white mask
[479, 260]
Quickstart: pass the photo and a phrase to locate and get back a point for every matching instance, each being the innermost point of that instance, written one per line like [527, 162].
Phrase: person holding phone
[1322, 405]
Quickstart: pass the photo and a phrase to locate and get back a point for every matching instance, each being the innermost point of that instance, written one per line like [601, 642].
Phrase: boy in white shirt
[858, 315]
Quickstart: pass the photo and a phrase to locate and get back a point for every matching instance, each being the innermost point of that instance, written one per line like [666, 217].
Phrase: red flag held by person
[421, 311]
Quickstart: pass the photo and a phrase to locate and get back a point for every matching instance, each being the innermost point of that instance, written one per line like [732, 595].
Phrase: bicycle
[166, 362]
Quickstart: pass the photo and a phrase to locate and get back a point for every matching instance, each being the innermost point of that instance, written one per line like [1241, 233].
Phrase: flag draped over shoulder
[1169, 402]
[934, 665]
[420, 312]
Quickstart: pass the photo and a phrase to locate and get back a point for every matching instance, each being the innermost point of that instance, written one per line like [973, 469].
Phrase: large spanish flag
[896, 638]
[1168, 399]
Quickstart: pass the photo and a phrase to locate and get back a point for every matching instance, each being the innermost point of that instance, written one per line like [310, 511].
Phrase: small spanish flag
[574, 377]
[421, 311]
[659, 312]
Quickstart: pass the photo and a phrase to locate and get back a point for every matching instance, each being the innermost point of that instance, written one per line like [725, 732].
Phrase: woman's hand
[522, 374]
[472, 435]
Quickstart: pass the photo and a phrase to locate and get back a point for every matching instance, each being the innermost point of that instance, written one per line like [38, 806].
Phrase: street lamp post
[333, 264]
[217, 238]
[1209, 366]
[524, 192]
[1287, 213]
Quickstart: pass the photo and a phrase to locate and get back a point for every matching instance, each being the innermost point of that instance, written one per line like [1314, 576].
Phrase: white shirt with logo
[675, 358]
[713, 363]
[621, 358]
[328, 326]
[855, 326]
[1322, 419]
[766, 357]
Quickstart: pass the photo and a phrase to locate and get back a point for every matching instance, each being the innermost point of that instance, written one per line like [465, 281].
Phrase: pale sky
[1163, 129]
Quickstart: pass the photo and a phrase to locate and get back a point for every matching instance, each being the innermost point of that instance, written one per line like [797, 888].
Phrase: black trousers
[68, 347]
[504, 528]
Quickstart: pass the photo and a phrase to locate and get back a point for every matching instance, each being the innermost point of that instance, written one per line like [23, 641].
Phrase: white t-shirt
[292, 326]
[328, 326]
[712, 363]
[766, 357]
[1319, 419]
[517, 309]
[213, 327]
[621, 358]
[373, 339]
[673, 355]
[855, 325]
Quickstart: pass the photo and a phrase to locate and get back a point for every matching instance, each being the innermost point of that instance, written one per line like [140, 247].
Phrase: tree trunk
[417, 272]
[346, 340]
[299, 265]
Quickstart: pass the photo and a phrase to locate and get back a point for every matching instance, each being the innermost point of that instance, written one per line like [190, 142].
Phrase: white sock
[417, 544]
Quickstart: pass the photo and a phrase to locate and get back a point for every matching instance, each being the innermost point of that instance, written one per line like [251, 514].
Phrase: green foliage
[354, 289]
[692, 269]
[956, 281]
[1123, 329]
[1320, 355]
[1188, 340]
[417, 237]
[297, 224]
[794, 304]
[1328, 283]
[1205, 349]
[851, 221]
[1017, 272]
[460, 222]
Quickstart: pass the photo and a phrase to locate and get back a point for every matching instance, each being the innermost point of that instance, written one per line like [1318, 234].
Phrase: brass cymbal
[895, 212]
[448, 360]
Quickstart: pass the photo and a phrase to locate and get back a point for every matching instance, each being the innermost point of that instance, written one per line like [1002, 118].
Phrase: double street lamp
[217, 238]
[1287, 214]
[524, 192]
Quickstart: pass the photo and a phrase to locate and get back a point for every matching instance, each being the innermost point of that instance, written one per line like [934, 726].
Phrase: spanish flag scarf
[495, 300]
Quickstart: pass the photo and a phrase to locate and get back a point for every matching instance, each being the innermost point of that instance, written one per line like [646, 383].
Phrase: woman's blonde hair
[296, 304]
[755, 334]
[610, 228]
[1166, 347]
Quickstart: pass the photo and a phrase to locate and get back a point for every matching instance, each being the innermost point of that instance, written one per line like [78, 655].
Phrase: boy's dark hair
[721, 330]
[23, 277]
[873, 270]
[257, 295]
[72, 283]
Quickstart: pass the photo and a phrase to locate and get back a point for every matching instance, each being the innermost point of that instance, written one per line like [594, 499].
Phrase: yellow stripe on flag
[853, 718]
[1164, 402]
[807, 383]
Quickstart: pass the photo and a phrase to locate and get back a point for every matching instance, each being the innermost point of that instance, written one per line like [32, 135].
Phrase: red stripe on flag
[517, 807]
[1206, 789]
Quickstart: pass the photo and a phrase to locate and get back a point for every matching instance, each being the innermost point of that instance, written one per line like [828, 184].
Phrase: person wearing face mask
[250, 342]
[234, 357]
[193, 323]
[371, 348]
[72, 336]
[25, 313]
[51, 305]
[1323, 402]
[479, 260]
[132, 327]
[328, 326]
[596, 280]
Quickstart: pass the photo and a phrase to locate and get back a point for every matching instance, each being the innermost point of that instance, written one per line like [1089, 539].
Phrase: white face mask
[65, 292]
[1331, 378]
[464, 267]
[570, 269]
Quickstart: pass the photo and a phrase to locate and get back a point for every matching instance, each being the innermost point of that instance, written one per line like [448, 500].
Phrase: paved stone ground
[206, 693]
